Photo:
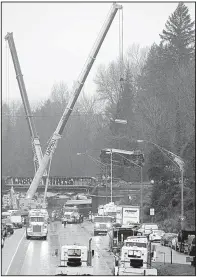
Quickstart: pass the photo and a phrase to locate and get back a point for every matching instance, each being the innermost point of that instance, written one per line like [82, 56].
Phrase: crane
[37, 151]
[35, 142]
[79, 85]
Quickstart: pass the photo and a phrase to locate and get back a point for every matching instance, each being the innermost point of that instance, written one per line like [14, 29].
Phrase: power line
[56, 115]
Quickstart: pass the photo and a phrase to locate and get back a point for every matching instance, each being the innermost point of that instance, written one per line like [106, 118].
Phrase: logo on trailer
[130, 211]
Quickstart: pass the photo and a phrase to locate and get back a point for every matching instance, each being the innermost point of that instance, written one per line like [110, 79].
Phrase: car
[4, 232]
[148, 228]
[10, 228]
[166, 238]
[2, 242]
[156, 235]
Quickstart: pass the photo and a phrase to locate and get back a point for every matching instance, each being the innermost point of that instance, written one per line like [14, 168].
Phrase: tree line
[153, 90]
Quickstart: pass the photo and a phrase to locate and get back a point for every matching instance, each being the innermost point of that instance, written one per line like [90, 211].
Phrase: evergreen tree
[179, 34]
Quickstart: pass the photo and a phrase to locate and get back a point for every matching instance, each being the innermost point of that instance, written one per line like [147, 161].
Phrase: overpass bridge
[100, 192]
[81, 187]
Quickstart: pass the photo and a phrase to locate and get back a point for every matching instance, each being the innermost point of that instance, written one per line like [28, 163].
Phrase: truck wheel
[45, 237]
[27, 237]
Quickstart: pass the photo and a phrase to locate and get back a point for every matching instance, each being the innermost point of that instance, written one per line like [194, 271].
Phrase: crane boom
[37, 151]
[62, 123]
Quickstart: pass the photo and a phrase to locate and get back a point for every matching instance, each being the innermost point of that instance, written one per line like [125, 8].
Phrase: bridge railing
[53, 181]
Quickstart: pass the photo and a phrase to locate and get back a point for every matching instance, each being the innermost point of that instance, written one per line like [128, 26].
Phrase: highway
[37, 257]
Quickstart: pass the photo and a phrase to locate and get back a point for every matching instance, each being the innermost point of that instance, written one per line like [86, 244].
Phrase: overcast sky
[53, 40]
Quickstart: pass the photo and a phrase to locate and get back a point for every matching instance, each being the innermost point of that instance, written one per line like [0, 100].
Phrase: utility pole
[106, 182]
[111, 175]
[182, 203]
[141, 194]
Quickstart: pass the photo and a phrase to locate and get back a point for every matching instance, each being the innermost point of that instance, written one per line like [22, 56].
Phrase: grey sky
[53, 40]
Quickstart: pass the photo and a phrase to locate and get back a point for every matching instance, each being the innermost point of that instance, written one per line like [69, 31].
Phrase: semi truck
[135, 258]
[37, 225]
[118, 234]
[75, 260]
[102, 225]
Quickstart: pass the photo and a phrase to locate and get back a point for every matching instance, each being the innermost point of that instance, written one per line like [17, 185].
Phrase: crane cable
[7, 74]
[121, 56]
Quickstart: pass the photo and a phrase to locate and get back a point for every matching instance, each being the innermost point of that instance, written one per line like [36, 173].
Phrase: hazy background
[53, 40]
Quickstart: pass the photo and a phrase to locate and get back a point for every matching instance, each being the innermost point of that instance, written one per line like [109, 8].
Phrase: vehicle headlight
[96, 224]
[108, 225]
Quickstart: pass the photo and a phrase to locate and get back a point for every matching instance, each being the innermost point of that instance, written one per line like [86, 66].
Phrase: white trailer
[130, 215]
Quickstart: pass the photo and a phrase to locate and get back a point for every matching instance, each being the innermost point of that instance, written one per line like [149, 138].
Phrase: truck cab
[118, 234]
[102, 224]
[134, 257]
[37, 225]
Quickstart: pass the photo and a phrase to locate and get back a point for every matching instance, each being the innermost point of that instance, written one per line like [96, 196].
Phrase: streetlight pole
[141, 194]
[111, 175]
[106, 182]
[182, 203]
[100, 163]
[178, 162]
[141, 186]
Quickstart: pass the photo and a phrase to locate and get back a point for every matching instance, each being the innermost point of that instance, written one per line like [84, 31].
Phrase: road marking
[14, 254]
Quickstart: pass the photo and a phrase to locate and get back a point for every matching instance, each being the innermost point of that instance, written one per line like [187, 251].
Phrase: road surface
[163, 254]
[37, 257]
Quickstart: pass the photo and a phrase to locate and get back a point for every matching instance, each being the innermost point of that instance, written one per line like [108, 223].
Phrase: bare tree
[137, 56]
[60, 93]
